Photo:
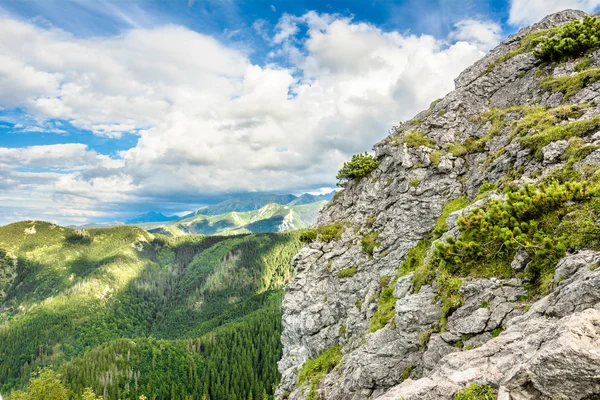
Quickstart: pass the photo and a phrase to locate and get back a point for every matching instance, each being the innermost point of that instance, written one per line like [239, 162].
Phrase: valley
[127, 313]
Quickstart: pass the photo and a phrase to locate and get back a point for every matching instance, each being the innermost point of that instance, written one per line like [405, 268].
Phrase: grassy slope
[69, 294]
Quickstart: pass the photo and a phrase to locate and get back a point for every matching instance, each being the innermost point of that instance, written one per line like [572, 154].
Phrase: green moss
[520, 75]
[572, 84]
[347, 272]
[448, 294]
[385, 309]
[424, 337]
[371, 220]
[327, 233]
[369, 243]
[580, 128]
[414, 182]
[456, 149]
[384, 281]
[476, 392]
[453, 205]
[583, 64]
[434, 103]
[358, 304]
[484, 189]
[342, 331]
[496, 332]
[314, 369]
[406, 373]
[415, 139]
[436, 157]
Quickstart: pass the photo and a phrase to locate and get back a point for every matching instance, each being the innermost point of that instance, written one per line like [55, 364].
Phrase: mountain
[165, 318]
[461, 261]
[271, 217]
[97, 225]
[242, 204]
[151, 216]
[307, 198]
[251, 203]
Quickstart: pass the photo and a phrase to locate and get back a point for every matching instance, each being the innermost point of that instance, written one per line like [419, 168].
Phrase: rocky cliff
[399, 297]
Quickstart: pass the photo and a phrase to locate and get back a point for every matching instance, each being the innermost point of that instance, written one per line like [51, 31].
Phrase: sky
[109, 109]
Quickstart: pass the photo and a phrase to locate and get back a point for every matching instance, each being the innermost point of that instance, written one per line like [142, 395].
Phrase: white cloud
[485, 34]
[209, 121]
[526, 12]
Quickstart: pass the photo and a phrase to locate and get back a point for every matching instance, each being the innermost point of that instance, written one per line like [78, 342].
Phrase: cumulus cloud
[209, 121]
[526, 12]
[485, 34]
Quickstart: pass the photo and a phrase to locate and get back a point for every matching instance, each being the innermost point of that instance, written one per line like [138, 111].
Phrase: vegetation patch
[327, 233]
[359, 166]
[529, 220]
[369, 243]
[385, 309]
[308, 236]
[476, 391]
[347, 272]
[316, 368]
[580, 128]
[572, 84]
[571, 40]
[414, 182]
[415, 139]
[450, 207]
[436, 157]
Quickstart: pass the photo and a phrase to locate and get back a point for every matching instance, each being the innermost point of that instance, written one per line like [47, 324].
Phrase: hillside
[271, 217]
[461, 262]
[165, 318]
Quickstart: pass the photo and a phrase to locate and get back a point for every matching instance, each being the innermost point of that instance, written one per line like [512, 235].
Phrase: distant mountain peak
[151, 216]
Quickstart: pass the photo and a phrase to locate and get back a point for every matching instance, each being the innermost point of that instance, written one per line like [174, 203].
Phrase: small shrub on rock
[360, 166]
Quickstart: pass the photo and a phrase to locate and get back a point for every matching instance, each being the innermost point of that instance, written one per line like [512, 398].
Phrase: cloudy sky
[111, 109]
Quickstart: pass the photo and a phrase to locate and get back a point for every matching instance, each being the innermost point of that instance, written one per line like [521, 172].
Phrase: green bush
[347, 272]
[476, 392]
[415, 139]
[360, 166]
[527, 220]
[308, 236]
[571, 40]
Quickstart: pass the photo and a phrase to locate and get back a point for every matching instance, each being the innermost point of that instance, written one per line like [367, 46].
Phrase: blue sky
[111, 109]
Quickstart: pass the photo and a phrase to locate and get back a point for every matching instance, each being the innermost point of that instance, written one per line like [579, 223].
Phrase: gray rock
[554, 150]
[520, 261]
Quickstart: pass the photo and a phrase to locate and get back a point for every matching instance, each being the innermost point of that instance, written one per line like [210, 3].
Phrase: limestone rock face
[525, 348]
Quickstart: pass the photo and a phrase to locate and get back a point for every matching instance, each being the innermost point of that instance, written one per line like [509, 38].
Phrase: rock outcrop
[523, 344]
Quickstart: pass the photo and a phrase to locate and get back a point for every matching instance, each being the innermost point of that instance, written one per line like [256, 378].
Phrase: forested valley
[123, 314]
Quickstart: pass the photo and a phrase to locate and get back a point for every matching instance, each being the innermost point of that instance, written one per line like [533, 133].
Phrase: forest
[123, 314]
